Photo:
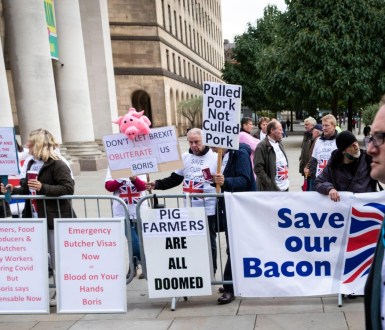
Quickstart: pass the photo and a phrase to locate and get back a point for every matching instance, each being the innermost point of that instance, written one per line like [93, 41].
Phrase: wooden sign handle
[219, 165]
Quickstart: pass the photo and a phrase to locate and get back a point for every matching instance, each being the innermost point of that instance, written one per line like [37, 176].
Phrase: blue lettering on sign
[304, 220]
[252, 267]
[310, 244]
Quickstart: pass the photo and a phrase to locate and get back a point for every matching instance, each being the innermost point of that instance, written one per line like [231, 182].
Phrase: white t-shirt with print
[281, 167]
[194, 181]
[322, 152]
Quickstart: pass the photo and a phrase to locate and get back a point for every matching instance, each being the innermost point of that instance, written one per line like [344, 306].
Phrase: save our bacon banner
[296, 244]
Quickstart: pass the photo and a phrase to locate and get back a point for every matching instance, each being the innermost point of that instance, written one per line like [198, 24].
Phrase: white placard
[160, 144]
[24, 267]
[9, 165]
[138, 166]
[221, 115]
[177, 255]
[90, 265]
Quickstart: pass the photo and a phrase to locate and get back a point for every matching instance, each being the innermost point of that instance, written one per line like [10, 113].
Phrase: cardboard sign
[157, 151]
[23, 266]
[177, 255]
[221, 115]
[90, 265]
[9, 164]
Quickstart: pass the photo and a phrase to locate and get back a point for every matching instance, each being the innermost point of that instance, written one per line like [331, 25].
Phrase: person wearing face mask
[348, 169]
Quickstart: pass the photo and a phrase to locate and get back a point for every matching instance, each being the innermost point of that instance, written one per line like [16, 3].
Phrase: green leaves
[315, 53]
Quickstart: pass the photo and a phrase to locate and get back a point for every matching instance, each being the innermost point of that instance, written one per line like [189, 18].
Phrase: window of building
[173, 62]
[168, 59]
[163, 15]
[175, 24]
[169, 19]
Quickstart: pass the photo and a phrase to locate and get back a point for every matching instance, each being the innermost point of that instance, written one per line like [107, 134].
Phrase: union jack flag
[193, 187]
[129, 194]
[362, 239]
[321, 166]
[282, 172]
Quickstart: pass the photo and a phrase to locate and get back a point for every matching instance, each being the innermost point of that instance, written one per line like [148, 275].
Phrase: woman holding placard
[46, 175]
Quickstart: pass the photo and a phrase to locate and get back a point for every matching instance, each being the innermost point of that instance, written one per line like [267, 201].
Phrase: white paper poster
[221, 115]
[90, 265]
[176, 249]
[23, 266]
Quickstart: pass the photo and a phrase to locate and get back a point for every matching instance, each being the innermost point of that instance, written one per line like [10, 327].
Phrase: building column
[72, 89]
[6, 119]
[100, 68]
[31, 67]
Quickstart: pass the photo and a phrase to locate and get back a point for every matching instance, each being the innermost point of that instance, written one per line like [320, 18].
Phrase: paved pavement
[316, 312]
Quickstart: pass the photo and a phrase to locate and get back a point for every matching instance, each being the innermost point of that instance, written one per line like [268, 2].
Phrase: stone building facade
[163, 51]
[113, 54]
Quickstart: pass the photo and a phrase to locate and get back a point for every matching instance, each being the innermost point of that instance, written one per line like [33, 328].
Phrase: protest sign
[9, 164]
[90, 265]
[177, 254]
[23, 266]
[157, 151]
[287, 245]
[221, 115]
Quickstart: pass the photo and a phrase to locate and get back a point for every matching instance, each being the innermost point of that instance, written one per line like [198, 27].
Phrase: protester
[262, 125]
[53, 180]
[237, 175]
[324, 146]
[374, 289]
[246, 137]
[310, 176]
[288, 124]
[196, 159]
[304, 157]
[128, 189]
[270, 161]
[366, 139]
[348, 169]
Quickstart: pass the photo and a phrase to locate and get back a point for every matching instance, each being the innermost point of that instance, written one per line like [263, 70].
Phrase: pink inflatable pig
[133, 123]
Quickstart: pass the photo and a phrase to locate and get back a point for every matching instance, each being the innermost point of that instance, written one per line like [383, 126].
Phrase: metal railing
[83, 206]
[180, 201]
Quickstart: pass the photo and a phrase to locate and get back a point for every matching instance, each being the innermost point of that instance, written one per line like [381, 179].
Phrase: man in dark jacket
[237, 175]
[374, 289]
[270, 160]
[348, 169]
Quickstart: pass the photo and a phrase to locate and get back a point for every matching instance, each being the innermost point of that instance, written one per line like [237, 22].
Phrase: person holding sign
[128, 189]
[270, 161]
[199, 163]
[47, 175]
[237, 175]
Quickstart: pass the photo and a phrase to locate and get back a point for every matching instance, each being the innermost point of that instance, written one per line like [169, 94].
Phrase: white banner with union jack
[302, 244]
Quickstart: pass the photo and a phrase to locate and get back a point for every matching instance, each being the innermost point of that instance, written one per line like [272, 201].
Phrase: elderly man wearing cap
[348, 169]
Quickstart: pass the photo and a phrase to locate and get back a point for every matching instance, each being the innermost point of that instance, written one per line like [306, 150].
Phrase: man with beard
[348, 169]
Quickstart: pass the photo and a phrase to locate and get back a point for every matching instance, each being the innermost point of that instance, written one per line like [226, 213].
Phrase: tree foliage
[369, 112]
[191, 109]
[325, 54]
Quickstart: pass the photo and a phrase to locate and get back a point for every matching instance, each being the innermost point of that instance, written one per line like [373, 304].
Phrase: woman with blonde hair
[53, 180]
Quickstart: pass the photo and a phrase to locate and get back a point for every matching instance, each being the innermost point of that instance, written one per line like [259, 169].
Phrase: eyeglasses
[377, 139]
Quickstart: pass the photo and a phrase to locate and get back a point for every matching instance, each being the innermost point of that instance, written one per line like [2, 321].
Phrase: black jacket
[56, 180]
[354, 177]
